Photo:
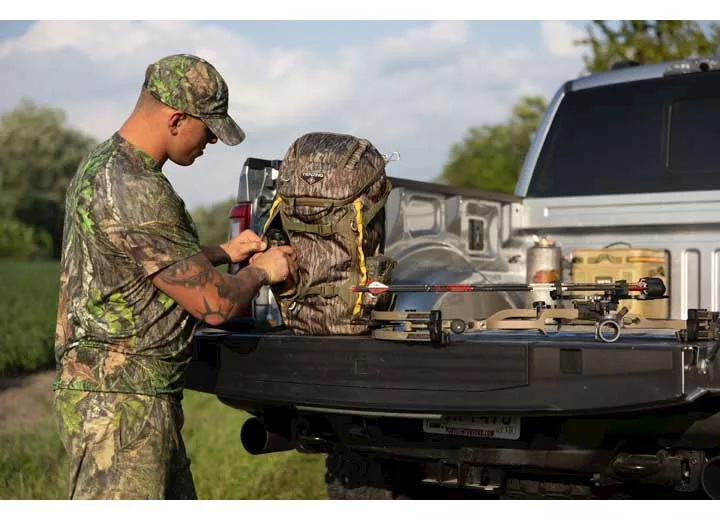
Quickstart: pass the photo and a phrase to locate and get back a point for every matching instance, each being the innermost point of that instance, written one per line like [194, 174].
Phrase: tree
[647, 41]
[38, 156]
[22, 242]
[491, 156]
[212, 222]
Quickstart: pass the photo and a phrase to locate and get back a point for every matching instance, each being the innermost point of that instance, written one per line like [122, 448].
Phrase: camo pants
[124, 446]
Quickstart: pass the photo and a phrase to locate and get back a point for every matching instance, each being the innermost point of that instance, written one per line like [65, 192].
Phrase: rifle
[649, 288]
[597, 310]
[377, 288]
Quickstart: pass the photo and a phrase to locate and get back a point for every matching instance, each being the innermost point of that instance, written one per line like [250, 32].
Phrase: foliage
[22, 242]
[212, 222]
[491, 156]
[38, 156]
[647, 41]
[28, 311]
[33, 464]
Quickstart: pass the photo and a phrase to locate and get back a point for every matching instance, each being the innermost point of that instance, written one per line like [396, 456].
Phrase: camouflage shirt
[116, 331]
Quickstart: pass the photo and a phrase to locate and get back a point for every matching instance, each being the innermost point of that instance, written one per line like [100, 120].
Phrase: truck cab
[631, 156]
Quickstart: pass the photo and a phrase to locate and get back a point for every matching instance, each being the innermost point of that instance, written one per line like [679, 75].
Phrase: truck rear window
[650, 136]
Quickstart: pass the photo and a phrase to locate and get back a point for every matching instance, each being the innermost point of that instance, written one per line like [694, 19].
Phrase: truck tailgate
[485, 372]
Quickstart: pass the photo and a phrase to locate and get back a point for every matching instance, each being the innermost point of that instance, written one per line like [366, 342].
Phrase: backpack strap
[341, 226]
[323, 230]
[272, 213]
[375, 208]
[357, 204]
[325, 290]
[359, 145]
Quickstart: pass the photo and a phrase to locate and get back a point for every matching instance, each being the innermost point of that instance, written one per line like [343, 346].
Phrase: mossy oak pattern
[192, 85]
[116, 332]
[123, 446]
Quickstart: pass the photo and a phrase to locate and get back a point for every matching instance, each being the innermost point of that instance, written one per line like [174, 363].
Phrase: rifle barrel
[651, 286]
[446, 288]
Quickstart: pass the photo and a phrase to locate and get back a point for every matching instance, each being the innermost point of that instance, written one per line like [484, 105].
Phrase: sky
[413, 87]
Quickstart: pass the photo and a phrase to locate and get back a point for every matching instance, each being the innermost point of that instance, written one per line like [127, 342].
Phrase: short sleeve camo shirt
[116, 331]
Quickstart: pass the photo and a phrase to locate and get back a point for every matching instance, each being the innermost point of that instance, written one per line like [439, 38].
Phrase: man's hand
[278, 263]
[243, 246]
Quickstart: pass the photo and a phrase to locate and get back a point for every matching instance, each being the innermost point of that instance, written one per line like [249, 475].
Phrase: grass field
[32, 460]
[28, 305]
[33, 464]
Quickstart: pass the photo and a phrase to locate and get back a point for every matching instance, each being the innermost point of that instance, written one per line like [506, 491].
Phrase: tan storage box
[611, 264]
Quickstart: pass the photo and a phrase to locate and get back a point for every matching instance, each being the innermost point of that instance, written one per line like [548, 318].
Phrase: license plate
[483, 426]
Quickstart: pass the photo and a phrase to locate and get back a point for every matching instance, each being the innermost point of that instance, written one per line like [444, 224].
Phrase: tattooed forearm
[235, 293]
[243, 286]
[187, 273]
[213, 315]
[208, 294]
[216, 255]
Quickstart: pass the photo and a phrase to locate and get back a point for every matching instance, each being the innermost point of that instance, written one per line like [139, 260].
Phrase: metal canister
[544, 265]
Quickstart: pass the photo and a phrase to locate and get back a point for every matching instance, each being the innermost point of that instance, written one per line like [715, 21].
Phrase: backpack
[331, 193]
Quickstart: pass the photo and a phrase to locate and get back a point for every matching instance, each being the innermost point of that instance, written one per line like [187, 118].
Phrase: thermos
[544, 265]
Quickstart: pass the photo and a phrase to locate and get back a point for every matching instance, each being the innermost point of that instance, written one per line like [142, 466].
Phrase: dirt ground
[25, 401]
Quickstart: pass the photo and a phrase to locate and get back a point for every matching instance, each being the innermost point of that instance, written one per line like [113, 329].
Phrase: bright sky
[414, 87]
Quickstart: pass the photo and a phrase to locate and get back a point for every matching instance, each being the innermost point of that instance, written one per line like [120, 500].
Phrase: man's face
[188, 140]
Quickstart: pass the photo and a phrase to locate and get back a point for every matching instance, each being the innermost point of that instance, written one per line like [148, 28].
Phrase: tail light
[239, 217]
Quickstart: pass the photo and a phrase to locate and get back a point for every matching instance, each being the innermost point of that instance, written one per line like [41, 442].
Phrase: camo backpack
[330, 202]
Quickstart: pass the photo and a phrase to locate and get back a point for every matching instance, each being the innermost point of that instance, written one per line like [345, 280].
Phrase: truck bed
[488, 372]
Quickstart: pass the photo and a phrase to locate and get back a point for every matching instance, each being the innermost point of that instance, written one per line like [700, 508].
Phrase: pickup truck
[631, 156]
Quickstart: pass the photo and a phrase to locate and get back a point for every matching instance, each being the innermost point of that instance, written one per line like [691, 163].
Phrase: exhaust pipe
[637, 466]
[258, 438]
[710, 478]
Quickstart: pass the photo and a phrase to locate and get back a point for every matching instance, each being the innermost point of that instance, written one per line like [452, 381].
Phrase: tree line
[39, 153]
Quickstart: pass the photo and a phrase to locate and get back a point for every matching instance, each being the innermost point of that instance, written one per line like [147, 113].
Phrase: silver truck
[628, 157]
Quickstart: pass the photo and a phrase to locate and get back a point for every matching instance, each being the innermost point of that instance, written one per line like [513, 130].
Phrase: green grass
[223, 469]
[28, 307]
[33, 464]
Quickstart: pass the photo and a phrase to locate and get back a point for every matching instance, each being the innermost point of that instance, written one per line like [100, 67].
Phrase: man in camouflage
[134, 282]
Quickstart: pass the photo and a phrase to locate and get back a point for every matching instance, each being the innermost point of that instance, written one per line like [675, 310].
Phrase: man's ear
[174, 122]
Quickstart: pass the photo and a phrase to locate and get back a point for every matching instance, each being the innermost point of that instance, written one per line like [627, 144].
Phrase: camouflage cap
[190, 84]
